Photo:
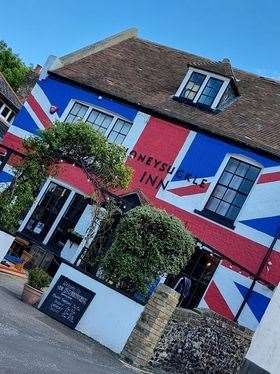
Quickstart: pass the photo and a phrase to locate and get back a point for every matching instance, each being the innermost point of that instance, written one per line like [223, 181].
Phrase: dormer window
[202, 88]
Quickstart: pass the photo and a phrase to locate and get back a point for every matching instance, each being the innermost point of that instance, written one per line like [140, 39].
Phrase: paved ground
[33, 343]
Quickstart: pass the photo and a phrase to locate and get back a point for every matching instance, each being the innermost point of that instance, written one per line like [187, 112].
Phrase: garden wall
[110, 317]
[201, 342]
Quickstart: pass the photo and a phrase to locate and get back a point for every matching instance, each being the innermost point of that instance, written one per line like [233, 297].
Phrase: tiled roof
[147, 74]
[7, 92]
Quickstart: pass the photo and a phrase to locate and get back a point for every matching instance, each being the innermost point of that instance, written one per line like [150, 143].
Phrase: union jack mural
[177, 169]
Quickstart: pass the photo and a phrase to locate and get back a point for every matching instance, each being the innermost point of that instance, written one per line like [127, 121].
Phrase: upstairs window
[202, 88]
[193, 86]
[231, 191]
[210, 91]
[6, 113]
[114, 128]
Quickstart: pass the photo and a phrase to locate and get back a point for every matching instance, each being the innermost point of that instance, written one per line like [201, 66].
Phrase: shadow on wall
[201, 341]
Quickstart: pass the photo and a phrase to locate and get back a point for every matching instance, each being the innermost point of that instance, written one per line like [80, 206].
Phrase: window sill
[216, 218]
[197, 105]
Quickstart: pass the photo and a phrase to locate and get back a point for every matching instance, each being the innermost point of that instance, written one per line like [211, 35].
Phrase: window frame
[208, 75]
[91, 107]
[10, 111]
[213, 183]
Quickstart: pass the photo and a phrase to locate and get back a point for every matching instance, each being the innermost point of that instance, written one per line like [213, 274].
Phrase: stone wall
[201, 341]
[149, 328]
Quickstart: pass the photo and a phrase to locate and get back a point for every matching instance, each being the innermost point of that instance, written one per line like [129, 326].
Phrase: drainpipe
[256, 276]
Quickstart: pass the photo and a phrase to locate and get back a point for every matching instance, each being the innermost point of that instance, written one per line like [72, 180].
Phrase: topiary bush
[38, 278]
[148, 242]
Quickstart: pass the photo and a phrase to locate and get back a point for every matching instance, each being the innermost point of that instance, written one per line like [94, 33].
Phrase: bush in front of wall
[38, 278]
[148, 243]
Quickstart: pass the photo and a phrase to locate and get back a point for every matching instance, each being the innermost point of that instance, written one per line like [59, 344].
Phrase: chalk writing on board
[67, 301]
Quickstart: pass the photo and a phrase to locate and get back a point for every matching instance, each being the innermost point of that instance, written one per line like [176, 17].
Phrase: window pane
[119, 131]
[212, 204]
[235, 182]
[193, 85]
[246, 186]
[5, 111]
[232, 189]
[219, 191]
[232, 213]
[232, 165]
[229, 195]
[252, 173]
[210, 91]
[242, 169]
[222, 208]
[99, 120]
[239, 199]
[225, 178]
[77, 113]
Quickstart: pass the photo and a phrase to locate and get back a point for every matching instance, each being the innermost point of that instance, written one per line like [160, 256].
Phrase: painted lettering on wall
[155, 180]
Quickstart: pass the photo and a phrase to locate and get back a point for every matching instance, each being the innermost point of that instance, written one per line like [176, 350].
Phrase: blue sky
[246, 31]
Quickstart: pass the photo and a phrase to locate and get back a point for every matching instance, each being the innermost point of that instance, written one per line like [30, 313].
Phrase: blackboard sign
[67, 301]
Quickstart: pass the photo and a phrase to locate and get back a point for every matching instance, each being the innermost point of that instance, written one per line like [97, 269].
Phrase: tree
[75, 143]
[148, 243]
[12, 67]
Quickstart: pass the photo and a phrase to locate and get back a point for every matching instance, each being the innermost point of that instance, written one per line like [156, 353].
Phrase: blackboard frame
[45, 304]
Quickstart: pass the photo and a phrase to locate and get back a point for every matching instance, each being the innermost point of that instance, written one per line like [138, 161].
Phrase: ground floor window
[200, 270]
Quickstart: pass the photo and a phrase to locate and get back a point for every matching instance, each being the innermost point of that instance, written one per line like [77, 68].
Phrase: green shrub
[38, 278]
[148, 243]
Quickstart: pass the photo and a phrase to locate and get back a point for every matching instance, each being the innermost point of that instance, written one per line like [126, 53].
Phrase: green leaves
[148, 243]
[12, 67]
[76, 143]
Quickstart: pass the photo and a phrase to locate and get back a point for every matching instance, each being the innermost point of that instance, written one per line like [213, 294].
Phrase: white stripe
[44, 102]
[17, 131]
[33, 116]
[9, 169]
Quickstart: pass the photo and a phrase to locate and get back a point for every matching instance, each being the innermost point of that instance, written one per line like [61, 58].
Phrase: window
[193, 86]
[113, 127]
[6, 113]
[202, 88]
[77, 113]
[210, 91]
[231, 190]
[119, 131]
[46, 211]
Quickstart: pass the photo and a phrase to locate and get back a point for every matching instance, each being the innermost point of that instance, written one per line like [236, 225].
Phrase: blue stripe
[24, 121]
[206, 154]
[60, 93]
[5, 177]
[256, 302]
[268, 225]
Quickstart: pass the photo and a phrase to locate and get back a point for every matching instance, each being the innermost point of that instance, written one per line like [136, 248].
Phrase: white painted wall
[110, 317]
[265, 346]
[6, 241]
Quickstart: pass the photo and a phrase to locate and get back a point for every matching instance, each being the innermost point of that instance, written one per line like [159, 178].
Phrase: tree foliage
[12, 67]
[148, 243]
[75, 143]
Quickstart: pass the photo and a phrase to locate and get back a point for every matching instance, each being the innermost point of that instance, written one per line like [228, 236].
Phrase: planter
[30, 295]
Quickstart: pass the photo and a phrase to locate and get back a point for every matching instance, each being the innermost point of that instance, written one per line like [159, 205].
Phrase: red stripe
[14, 142]
[216, 302]
[44, 119]
[269, 177]
[190, 190]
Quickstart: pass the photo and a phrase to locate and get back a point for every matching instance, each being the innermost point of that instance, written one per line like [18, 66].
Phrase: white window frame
[2, 107]
[199, 92]
[38, 199]
[217, 177]
[102, 110]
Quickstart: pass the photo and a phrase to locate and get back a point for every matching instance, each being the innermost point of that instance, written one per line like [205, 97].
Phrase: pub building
[203, 140]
